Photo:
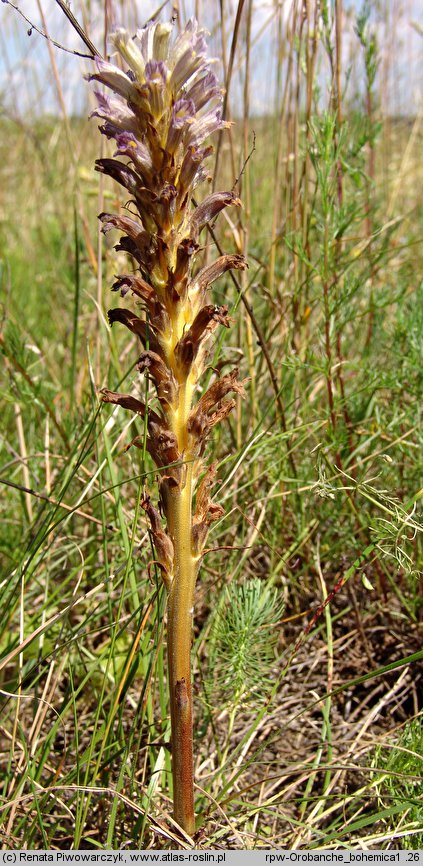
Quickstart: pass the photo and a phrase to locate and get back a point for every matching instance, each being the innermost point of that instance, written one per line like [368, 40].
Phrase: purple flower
[155, 77]
[183, 113]
[205, 126]
[204, 90]
[160, 112]
[117, 114]
[114, 78]
[159, 99]
[129, 145]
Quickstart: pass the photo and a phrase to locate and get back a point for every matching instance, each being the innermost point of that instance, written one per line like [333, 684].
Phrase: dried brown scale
[124, 400]
[204, 278]
[163, 378]
[162, 542]
[127, 245]
[215, 394]
[205, 322]
[144, 330]
[160, 115]
[125, 224]
[210, 208]
[206, 511]
[129, 282]
[202, 503]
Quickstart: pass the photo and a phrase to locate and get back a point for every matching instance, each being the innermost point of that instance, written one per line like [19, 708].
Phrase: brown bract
[162, 542]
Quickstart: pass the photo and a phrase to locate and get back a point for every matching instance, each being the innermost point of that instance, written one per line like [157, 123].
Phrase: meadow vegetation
[307, 635]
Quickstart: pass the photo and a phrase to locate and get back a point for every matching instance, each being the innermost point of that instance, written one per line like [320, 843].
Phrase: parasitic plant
[164, 105]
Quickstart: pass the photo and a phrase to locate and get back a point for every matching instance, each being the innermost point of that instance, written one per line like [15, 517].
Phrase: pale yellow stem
[180, 612]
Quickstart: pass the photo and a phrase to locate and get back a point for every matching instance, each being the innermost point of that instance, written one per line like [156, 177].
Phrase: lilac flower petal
[129, 145]
[188, 64]
[161, 111]
[130, 52]
[183, 41]
[161, 37]
[114, 109]
[156, 79]
[155, 70]
[113, 77]
[191, 166]
[145, 38]
[204, 89]
[112, 130]
[183, 113]
[126, 142]
[205, 126]
[191, 38]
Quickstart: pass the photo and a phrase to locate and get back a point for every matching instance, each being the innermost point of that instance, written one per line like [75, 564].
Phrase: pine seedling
[243, 643]
[161, 111]
[244, 640]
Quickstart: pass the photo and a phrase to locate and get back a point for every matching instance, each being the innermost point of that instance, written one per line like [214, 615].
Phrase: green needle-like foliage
[245, 635]
[403, 782]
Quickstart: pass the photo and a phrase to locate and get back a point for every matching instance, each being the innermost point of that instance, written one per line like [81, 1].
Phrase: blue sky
[27, 86]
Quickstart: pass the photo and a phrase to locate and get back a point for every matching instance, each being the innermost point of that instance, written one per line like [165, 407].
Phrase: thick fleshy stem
[179, 635]
[180, 608]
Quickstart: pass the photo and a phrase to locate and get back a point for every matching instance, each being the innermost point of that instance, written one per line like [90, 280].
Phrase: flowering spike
[160, 111]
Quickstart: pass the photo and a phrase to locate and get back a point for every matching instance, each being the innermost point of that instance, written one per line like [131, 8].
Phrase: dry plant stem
[311, 52]
[75, 24]
[334, 376]
[60, 94]
[328, 348]
[24, 458]
[295, 193]
[261, 341]
[228, 72]
[281, 144]
[247, 199]
[370, 181]
[340, 193]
